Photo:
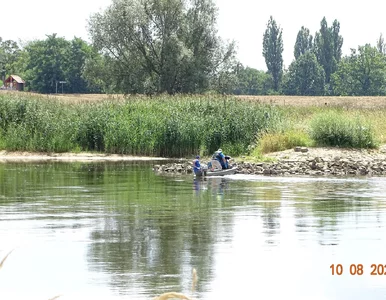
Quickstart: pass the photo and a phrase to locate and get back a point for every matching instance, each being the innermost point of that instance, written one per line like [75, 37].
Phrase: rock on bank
[309, 161]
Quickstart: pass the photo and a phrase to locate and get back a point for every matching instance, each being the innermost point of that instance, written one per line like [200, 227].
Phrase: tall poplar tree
[328, 47]
[273, 51]
[303, 42]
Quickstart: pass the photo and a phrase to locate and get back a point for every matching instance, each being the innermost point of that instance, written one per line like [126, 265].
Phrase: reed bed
[160, 126]
[185, 125]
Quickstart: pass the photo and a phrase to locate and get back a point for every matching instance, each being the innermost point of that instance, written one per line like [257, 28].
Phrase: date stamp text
[359, 269]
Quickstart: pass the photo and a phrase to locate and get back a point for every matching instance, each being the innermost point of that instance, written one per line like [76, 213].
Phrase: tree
[363, 73]
[381, 44]
[96, 73]
[46, 62]
[252, 82]
[161, 45]
[9, 54]
[273, 51]
[303, 42]
[305, 76]
[78, 52]
[328, 47]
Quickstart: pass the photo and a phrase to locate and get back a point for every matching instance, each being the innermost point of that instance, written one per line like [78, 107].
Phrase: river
[118, 231]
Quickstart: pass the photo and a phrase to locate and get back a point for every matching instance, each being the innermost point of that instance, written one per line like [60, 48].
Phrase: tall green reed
[332, 128]
[170, 126]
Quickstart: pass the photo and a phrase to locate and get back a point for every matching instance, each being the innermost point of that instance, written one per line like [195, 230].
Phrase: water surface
[118, 231]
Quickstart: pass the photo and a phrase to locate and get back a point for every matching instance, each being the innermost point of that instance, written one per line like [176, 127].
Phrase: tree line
[172, 46]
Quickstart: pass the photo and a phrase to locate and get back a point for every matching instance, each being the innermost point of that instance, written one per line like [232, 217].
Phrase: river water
[118, 231]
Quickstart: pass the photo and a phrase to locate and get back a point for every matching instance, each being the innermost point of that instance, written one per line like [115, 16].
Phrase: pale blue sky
[242, 20]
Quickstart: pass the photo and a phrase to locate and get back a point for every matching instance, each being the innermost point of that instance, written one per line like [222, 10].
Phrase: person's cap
[198, 156]
[219, 150]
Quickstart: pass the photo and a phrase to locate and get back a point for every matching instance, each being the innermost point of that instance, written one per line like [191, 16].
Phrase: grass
[160, 126]
[334, 129]
[185, 125]
[272, 142]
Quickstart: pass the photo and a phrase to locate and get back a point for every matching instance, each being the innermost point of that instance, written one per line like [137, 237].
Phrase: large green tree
[49, 61]
[304, 42]
[363, 73]
[273, 51]
[46, 63]
[328, 47]
[9, 54]
[78, 52]
[251, 81]
[305, 76]
[161, 45]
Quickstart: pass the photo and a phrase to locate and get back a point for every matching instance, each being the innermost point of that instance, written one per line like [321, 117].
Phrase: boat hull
[217, 173]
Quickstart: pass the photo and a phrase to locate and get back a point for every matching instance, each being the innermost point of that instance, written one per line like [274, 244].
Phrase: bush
[273, 142]
[335, 129]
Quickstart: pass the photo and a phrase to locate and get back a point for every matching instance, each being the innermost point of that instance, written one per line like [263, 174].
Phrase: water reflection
[213, 185]
[133, 234]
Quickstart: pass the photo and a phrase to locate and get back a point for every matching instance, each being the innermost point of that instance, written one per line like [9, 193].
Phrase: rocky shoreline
[304, 161]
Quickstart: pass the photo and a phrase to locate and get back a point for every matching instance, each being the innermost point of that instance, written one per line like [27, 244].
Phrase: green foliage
[9, 54]
[334, 129]
[381, 47]
[97, 73]
[363, 73]
[273, 51]
[328, 47]
[162, 46]
[161, 126]
[304, 42]
[279, 141]
[252, 82]
[305, 77]
[46, 62]
[35, 126]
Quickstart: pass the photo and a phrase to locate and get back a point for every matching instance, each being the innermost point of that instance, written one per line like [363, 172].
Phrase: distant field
[350, 102]
[354, 102]
[370, 102]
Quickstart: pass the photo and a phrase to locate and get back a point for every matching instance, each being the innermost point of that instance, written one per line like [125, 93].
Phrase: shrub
[272, 142]
[336, 129]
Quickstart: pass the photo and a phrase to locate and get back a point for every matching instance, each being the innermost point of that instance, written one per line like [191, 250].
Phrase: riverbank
[303, 161]
[18, 156]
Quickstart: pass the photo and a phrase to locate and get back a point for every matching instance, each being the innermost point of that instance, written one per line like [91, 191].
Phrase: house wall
[14, 85]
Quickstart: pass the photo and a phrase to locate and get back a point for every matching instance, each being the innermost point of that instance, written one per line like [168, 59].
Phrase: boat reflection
[212, 185]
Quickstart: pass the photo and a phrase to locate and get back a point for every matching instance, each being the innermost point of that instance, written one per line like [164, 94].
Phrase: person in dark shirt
[221, 158]
[197, 165]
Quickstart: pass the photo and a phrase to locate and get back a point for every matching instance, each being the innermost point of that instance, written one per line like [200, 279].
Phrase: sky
[241, 20]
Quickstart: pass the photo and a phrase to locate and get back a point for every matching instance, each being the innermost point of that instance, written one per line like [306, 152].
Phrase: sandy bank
[6, 156]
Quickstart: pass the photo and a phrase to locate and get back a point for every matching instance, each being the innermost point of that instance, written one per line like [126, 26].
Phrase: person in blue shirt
[197, 165]
[221, 158]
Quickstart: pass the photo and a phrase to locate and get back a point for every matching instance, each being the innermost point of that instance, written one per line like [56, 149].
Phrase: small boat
[222, 172]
